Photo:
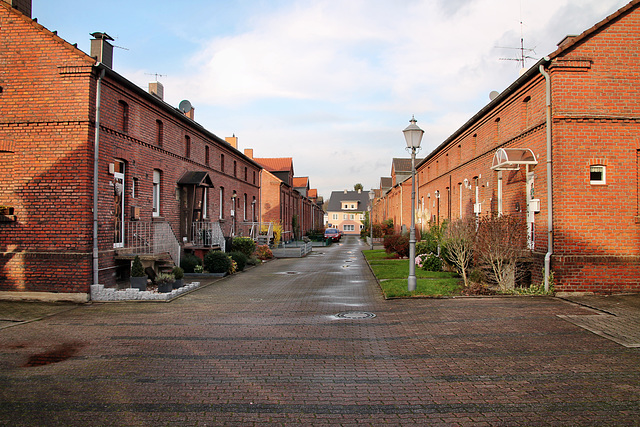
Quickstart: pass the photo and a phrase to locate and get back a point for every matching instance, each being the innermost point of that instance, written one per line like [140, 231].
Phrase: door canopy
[511, 158]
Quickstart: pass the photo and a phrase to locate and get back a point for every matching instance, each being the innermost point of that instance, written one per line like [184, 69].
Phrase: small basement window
[598, 175]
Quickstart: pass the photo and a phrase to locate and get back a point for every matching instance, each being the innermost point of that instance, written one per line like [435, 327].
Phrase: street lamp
[413, 135]
[371, 196]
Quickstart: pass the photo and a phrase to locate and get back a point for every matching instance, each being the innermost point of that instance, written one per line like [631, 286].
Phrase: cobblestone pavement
[267, 347]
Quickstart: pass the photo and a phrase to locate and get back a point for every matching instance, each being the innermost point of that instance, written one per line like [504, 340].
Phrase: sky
[330, 83]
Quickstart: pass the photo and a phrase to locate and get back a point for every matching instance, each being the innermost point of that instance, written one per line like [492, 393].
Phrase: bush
[136, 268]
[397, 243]
[253, 261]
[246, 245]
[316, 235]
[189, 263]
[429, 262]
[217, 262]
[178, 273]
[240, 258]
[263, 252]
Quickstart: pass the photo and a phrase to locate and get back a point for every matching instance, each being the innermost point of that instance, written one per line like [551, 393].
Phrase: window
[221, 202]
[345, 216]
[335, 216]
[159, 133]
[349, 227]
[244, 206]
[156, 192]
[221, 162]
[253, 209]
[598, 174]
[205, 195]
[124, 116]
[187, 146]
[361, 217]
[254, 177]
[235, 168]
[134, 188]
[352, 216]
[246, 174]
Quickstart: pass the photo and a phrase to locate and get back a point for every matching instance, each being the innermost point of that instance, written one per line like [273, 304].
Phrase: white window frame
[205, 202]
[348, 227]
[602, 181]
[335, 216]
[157, 182]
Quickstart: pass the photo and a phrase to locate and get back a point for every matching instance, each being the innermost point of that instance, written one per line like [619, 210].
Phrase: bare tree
[459, 242]
[501, 244]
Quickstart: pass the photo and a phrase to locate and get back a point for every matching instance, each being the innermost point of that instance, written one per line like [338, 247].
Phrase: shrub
[429, 262]
[178, 273]
[253, 261]
[217, 262]
[246, 245]
[189, 263]
[263, 252]
[164, 278]
[136, 268]
[460, 240]
[397, 243]
[240, 258]
[387, 227]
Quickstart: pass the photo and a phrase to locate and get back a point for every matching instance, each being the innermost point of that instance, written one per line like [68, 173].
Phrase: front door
[118, 205]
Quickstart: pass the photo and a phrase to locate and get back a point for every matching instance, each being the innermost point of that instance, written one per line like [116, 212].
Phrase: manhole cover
[355, 315]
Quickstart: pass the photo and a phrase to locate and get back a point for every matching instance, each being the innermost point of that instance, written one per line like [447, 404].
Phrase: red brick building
[97, 168]
[564, 135]
[286, 199]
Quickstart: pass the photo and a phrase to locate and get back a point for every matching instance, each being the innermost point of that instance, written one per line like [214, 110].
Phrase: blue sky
[331, 83]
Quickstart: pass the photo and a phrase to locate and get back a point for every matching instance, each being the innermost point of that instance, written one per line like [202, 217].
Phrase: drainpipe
[96, 157]
[547, 257]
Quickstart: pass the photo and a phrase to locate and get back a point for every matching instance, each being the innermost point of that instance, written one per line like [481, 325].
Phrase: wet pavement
[311, 341]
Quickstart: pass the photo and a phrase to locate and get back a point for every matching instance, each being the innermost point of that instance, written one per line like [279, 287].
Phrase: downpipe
[96, 158]
[547, 257]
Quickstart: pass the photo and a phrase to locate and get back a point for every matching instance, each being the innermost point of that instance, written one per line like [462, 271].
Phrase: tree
[501, 244]
[358, 187]
[459, 240]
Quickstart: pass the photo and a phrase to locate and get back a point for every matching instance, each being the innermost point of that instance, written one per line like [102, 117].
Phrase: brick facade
[595, 117]
[47, 137]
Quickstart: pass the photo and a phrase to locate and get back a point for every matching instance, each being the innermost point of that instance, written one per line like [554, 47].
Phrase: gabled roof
[301, 181]
[401, 165]
[199, 178]
[313, 193]
[386, 182]
[337, 197]
[276, 164]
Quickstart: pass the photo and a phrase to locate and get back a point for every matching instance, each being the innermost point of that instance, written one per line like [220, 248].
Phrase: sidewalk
[311, 341]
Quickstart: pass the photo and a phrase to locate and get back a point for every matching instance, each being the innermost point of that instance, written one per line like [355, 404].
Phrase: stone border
[101, 294]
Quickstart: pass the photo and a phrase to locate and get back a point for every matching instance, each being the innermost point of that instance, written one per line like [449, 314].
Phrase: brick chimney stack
[232, 140]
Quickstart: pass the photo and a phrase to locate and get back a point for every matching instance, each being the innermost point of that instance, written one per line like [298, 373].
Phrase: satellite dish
[185, 106]
[493, 95]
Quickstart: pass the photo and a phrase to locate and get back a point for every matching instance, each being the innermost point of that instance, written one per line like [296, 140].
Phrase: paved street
[311, 341]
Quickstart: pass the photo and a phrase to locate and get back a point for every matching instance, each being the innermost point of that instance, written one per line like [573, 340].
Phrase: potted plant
[178, 273]
[165, 282]
[138, 276]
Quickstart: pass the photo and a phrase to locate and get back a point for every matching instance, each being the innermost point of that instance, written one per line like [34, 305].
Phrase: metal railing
[258, 231]
[207, 234]
[151, 237]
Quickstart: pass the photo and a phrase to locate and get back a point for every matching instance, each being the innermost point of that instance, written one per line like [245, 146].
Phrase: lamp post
[413, 135]
[371, 196]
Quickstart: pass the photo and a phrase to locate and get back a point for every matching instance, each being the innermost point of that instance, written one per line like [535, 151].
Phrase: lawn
[392, 275]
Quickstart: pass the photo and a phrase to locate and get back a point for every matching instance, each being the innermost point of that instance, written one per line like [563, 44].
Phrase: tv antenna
[155, 74]
[524, 52]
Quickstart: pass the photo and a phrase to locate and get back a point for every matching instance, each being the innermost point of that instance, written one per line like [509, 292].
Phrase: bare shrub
[459, 241]
[500, 245]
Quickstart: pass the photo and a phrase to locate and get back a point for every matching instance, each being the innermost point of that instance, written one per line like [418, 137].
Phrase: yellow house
[346, 211]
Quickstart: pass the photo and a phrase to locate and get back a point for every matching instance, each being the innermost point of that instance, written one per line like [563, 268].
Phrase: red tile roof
[276, 164]
[300, 181]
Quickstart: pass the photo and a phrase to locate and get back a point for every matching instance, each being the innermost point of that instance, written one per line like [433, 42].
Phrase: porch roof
[198, 178]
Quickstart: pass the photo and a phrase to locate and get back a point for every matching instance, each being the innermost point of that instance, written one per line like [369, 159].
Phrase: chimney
[22, 6]
[156, 89]
[232, 140]
[249, 153]
[101, 49]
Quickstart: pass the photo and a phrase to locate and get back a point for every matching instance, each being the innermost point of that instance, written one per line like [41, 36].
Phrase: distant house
[346, 211]
[97, 169]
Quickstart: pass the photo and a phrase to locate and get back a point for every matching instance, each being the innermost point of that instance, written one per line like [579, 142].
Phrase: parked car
[332, 233]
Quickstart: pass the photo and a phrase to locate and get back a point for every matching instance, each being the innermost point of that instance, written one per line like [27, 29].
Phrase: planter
[178, 283]
[165, 287]
[139, 283]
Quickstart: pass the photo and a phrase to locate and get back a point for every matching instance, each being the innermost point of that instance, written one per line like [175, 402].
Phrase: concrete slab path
[311, 341]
